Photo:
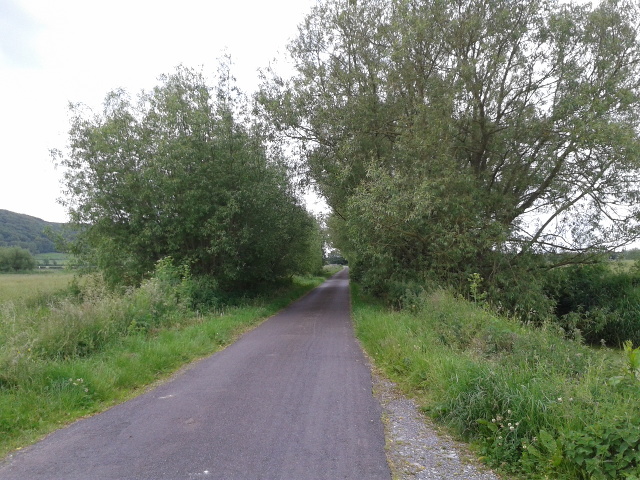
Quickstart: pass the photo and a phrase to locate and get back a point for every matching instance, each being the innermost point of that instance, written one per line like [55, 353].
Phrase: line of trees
[468, 136]
[452, 139]
[182, 172]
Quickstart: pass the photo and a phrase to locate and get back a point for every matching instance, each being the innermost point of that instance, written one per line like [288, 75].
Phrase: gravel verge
[416, 449]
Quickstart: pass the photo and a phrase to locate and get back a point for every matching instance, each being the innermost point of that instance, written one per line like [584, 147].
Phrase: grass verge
[74, 358]
[533, 404]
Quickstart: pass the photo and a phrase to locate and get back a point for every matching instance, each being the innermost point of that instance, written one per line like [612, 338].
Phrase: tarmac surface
[291, 400]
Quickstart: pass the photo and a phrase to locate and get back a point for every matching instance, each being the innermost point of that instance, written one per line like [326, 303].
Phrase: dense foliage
[24, 231]
[16, 259]
[600, 303]
[468, 136]
[180, 172]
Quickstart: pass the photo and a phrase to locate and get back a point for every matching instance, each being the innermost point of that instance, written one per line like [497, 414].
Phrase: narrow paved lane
[290, 400]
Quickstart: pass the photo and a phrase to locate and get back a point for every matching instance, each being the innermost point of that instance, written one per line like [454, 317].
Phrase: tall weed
[85, 323]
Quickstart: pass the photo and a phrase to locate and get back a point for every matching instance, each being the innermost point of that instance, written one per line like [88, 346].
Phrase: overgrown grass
[533, 403]
[79, 355]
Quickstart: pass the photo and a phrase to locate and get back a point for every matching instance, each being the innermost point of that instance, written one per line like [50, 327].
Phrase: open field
[26, 286]
[622, 265]
[53, 259]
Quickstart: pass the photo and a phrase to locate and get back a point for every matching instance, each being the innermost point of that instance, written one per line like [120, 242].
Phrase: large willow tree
[178, 173]
[459, 136]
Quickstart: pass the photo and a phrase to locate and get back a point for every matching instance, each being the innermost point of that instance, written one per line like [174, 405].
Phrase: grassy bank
[74, 355]
[534, 404]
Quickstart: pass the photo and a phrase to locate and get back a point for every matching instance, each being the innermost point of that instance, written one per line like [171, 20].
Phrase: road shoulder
[416, 449]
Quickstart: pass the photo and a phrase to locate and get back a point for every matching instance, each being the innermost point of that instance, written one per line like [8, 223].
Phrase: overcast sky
[54, 52]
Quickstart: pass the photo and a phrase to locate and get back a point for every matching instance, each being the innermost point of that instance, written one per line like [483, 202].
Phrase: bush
[15, 259]
[181, 173]
[601, 303]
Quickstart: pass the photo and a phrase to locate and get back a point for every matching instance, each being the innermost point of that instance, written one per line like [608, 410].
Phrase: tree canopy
[179, 172]
[460, 136]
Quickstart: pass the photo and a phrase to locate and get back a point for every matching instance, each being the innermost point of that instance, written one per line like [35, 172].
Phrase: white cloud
[78, 50]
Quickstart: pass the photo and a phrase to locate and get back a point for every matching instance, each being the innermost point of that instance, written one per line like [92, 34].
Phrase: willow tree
[454, 136]
[180, 173]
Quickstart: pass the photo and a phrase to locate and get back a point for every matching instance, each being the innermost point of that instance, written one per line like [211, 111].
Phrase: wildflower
[509, 412]
[512, 428]
[559, 399]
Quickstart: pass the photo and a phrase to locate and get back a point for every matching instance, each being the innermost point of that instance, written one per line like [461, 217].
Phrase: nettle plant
[602, 451]
[630, 376]
[607, 448]
[606, 451]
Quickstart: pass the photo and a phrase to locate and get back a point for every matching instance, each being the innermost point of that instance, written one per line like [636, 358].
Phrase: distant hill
[18, 230]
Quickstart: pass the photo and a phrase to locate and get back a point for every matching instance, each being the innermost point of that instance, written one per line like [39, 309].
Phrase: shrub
[15, 259]
[603, 304]
[209, 193]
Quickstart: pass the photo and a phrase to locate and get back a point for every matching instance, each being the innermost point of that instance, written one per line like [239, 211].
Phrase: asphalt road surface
[290, 400]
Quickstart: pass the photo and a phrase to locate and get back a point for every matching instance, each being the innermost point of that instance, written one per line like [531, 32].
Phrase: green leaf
[492, 427]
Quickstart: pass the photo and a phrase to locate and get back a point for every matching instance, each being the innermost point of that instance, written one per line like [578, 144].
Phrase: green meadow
[33, 286]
